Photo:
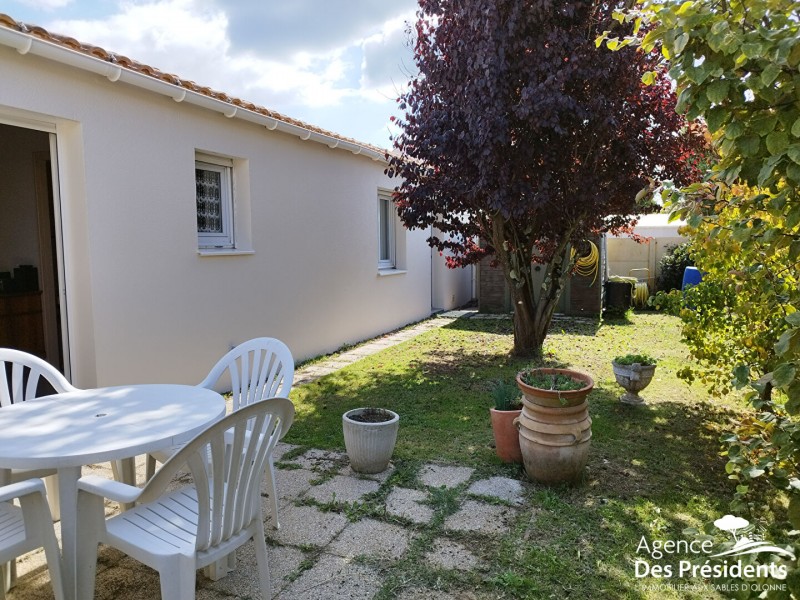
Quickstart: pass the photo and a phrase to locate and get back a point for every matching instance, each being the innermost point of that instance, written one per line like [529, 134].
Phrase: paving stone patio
[408, 504]
[341, 532]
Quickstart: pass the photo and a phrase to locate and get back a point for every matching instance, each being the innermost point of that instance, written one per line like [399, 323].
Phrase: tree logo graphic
[743, 543]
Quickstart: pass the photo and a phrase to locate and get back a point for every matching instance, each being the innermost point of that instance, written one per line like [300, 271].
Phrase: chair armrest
[108, 488]
[21, 488]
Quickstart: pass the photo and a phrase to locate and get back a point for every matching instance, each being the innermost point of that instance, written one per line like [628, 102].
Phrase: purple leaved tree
[520, 133]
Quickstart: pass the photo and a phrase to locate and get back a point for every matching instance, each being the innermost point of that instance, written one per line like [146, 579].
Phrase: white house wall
[451, 287]
[143, 305]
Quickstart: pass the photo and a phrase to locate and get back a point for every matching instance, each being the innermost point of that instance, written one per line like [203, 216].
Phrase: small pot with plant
[369, 438]
[633, 372]
[554, 427]
[507, 407]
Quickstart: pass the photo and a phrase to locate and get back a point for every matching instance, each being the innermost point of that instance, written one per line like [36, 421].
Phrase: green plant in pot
[633, 372]
[555, 429]
[507, 407]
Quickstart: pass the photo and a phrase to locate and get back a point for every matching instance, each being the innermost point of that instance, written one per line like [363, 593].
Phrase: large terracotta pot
[555, 430]
[370, 445]
[633, 378]
[506, 437]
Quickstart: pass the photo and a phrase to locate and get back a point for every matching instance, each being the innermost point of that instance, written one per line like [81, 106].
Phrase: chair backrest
[227, 462]
[259, 368]
[21, 375]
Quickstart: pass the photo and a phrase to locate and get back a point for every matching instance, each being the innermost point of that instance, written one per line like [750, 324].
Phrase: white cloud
[352, 56]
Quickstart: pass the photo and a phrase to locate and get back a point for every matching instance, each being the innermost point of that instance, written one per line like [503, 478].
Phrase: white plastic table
[67, 431]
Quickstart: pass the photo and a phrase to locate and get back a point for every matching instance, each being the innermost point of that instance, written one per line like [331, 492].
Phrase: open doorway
[30, 310]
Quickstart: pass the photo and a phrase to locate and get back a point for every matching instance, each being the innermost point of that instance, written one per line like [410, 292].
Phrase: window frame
[224, 240]
[387, 238]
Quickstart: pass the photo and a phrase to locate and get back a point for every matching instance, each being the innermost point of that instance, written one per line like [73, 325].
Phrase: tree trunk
[532, 314]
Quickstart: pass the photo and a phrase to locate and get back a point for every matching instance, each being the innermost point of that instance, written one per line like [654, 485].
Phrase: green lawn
[653, 470]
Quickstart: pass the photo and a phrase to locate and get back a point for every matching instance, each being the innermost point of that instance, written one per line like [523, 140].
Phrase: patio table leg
[68, 488]
[125, 471]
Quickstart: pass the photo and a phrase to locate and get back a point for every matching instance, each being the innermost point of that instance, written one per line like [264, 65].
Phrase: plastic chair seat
[28, 526]
[177, 532]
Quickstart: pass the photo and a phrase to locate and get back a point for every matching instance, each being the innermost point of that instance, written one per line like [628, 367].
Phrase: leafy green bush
[672, 266]
[668, 302]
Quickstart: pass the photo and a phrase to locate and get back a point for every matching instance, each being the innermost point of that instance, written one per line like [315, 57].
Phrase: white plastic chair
[257, 369]
[21, 377]
[26, 527]
[181, 531]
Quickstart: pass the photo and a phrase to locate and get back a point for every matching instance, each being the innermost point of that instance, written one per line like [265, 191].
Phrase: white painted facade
[141, 303]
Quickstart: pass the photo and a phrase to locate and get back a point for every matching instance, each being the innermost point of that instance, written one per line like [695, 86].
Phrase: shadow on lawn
[560, 323]
[658, 446]
[653, 470]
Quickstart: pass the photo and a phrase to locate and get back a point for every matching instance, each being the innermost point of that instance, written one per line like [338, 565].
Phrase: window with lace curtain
[214, 195]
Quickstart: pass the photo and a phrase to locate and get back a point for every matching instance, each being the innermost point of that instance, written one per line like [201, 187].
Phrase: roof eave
[26, 43]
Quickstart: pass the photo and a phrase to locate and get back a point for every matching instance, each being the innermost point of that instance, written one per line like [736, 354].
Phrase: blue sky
[337, 64]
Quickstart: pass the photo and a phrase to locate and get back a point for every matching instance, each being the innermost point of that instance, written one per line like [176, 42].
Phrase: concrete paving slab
[320, 460]
[243, 581]
[407, 504]
[479, 517]
[339, 363]
[444, 476]
[280, 449]
[504, 488]
[342, 489]
[334, 578]
[446, 554]
[301, 525]
[381, 477]
[371, 538]
[291, 484]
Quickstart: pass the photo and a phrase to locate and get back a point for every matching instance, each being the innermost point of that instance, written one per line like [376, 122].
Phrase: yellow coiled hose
[587, 266]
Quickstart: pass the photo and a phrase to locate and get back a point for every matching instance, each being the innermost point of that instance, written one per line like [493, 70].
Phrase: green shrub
[669, 302]
[672, 266]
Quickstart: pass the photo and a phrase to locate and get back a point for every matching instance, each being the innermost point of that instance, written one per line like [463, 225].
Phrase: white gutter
[25, 43]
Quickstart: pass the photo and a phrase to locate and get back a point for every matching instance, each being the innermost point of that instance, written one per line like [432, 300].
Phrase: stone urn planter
[633, 372]
[555, 429]
[507, 407]
[369, 438]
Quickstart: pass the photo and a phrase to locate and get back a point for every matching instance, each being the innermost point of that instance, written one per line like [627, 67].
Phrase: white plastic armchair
[258, 369]
[26, 527]
[180, 531]
[21, 378]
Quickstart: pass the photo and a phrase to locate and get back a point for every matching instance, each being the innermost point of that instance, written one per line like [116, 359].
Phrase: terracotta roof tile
[127, 63]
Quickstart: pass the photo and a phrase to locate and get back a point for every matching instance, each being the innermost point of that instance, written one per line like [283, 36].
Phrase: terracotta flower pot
[506, 436]
[555, 429]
